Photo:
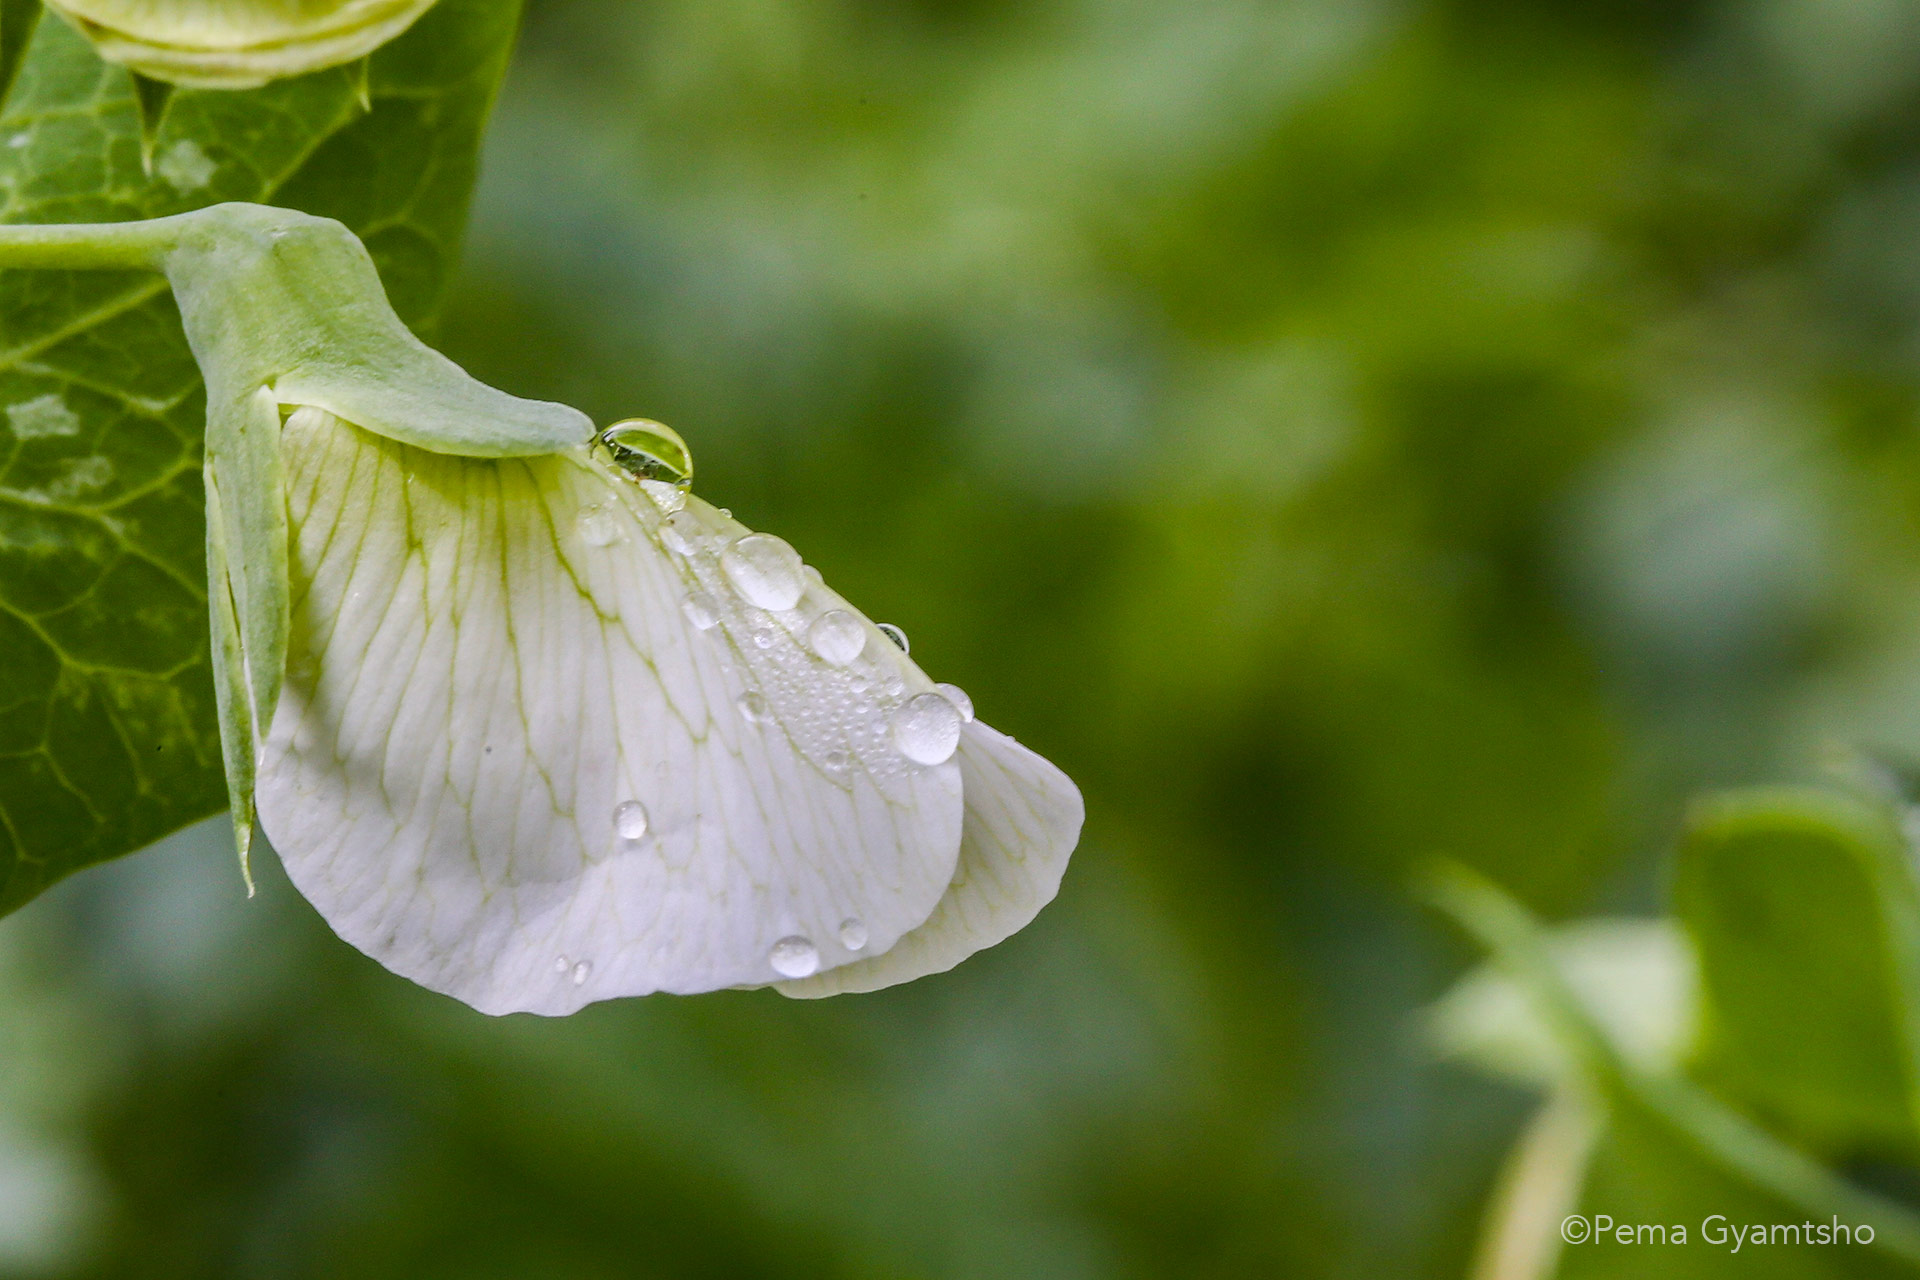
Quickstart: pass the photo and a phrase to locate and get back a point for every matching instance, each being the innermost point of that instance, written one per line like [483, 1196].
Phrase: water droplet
[764, 570]
[753, 706]
[726, 513]
[597, 526]
[581, 972]
[561, 964]
[700, 611]
[836, 763]
[630, 820]
[894, 634]
[678, 531]
[927, 729]
[860, 684]
[794, 957]
[649, 450]
[853, 934]
[763, 638]
[837, 637]
[958, 697]
[668, 497]
[813, 576]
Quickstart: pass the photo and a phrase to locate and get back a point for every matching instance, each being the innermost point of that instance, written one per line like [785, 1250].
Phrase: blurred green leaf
[1804, 912]
[1694, 1155]
[106, 700]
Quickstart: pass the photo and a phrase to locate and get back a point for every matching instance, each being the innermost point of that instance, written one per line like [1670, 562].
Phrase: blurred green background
[1338, 432]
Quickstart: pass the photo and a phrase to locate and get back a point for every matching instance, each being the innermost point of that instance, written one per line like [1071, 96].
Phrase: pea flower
[236, 44]
[526, 720]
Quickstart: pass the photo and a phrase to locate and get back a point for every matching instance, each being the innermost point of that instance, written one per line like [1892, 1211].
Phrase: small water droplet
[630, 820]
[763, 638]
[753, 706]
[598, 528]
[837, 637]
[853, 934]
[678, 531]
[836, 763]
[813, 576]
[649, 450]
[894, 634]
[860, 684]
[794, 957]
[561, 964]
[764, 570]
[581, 972]
[958, 697]
[927, 729]
[726, 513]
[700, 611]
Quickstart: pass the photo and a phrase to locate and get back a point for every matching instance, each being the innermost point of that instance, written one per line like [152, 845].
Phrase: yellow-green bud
[236, 44]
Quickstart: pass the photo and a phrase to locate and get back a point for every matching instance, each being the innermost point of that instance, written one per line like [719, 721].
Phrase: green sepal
[270, 297]
[238, 744]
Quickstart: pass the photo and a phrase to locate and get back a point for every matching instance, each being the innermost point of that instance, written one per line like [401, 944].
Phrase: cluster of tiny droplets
[768, 579]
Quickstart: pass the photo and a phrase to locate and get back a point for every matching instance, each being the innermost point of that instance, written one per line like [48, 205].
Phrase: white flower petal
[490, 658]
[1023, 820]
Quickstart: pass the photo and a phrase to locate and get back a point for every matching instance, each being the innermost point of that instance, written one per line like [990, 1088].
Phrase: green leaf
[108, 736]
[1806, 919]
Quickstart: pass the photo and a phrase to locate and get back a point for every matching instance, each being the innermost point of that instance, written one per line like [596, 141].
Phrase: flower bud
[236, 44]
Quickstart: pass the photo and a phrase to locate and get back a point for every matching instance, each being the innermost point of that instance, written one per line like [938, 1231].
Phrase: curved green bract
[108, 728]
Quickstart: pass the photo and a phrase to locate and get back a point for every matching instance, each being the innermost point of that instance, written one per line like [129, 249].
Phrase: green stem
[111, 246]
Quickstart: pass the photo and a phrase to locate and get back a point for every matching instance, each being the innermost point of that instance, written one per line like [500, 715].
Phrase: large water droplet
[581, 972]
[927, 729]
[794, 957]
[753, 706]
[764, 570]
[630, 820]
[649, 450]
[598, 527]
[700, 611]
[958, 697]
[894, 634]
[853, 934]
[837, 637]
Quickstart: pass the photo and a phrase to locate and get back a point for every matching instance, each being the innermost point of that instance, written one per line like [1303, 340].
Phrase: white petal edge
[488, 657]
[1023, 819]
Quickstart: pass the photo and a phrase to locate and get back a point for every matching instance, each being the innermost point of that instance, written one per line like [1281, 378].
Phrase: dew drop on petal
[753, 706]
[764, 570]
[853, 934]
[678, 531]
[860, 684]
[958, 697]
[763, 638]
[581, 972]
[668, 497]
[630, 820]
[561, 964]
[837, 637]
[700, 611]
[894, 634]
[649, 450]
[597, 526]
[836, 763]
[927, 729]
[813, 576]
[794, 957]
